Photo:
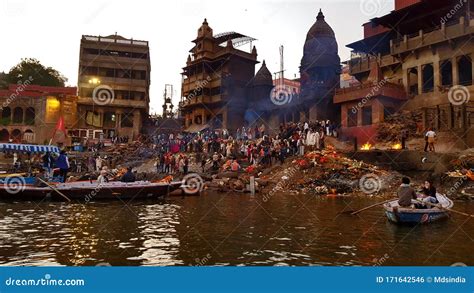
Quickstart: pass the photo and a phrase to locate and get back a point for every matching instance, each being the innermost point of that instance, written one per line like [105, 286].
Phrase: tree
[32, 69]
[3, 80]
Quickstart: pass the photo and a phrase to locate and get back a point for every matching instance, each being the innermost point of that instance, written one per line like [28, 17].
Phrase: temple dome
[320, 48]
[263, 76]
[320, 28]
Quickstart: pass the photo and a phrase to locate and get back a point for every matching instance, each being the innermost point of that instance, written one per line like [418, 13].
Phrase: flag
[60, 126]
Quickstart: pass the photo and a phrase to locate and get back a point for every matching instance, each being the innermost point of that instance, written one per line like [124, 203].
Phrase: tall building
[320, 69]
[215, 80]
[114, 83]
[421, 53]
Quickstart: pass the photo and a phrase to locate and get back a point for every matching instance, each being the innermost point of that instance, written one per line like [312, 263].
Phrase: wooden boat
[89, 191]
[402, 215]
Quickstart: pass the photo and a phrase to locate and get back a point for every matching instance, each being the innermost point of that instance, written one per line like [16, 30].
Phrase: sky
[50, 30]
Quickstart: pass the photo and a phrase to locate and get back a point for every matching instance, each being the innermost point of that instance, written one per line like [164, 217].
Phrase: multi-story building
[420, 56]
[220, 88]
[215, 80]
[30, 113]
[113, 82]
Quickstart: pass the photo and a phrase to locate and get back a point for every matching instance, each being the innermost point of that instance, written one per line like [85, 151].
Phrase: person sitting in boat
[102, 177]
[405, 193]
[40, 177]
[429, 192]
[128, 176]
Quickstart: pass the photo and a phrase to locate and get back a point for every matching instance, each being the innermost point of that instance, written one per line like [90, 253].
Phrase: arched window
[18, 115]
[4, 135]
[16, 135]
[30, 116]
[29, 136]
[6, 116]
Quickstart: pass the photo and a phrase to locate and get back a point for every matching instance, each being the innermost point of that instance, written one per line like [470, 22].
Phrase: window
[367, 115]
[387, 111]
[109, 119]
[428, 80]
[18, 115]
[446, 73]
[127, 120]
[30, 116]
[351, 118]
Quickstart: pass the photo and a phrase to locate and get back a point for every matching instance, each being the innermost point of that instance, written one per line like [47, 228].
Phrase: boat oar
[54, 189]
[371, 206]
[443, 208]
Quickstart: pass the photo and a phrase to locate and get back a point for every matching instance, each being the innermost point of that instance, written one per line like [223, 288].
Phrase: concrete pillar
[405, 80]
[436, 76]
[420, 79]
[454, 63]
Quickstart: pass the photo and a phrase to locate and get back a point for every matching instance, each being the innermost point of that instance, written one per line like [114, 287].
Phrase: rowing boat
[89, 191]
[411, 215]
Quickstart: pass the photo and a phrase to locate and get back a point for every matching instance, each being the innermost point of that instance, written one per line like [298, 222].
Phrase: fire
[397, 146]
[365, 147]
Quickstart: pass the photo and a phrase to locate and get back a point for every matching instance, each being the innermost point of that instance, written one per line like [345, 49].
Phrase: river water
[226, 229]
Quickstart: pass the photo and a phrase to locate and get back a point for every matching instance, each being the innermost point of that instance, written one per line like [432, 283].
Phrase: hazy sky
[50, 30]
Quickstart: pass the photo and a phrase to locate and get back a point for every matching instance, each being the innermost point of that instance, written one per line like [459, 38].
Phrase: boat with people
[16, 189]
[411, 215]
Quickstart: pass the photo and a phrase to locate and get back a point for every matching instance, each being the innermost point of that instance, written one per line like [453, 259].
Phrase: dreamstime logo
[192, 183]
[374, 90]
[103, 95]
[458, 95]
[21, 87]
[281, 95]
[370, 183]
[372, 7]
[14, 184]
[456, 8]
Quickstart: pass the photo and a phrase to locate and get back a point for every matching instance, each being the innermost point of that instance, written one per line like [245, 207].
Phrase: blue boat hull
[416, 218]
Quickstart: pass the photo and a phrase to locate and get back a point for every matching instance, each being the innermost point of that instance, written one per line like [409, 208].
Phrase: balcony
[114, 61]
[193, 101]
[115, 103]
[369, 90]
[445, 32]
[363, 64]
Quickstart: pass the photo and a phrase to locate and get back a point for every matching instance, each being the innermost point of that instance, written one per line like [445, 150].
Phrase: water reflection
[224, 229]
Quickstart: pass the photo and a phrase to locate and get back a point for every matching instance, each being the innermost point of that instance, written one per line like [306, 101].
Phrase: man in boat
[41, 176]
[128, 176]
[63, 164]
[406, 193]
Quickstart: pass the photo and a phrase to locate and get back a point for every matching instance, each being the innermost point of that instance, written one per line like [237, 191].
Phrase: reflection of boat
[88, 191]
[402, 215]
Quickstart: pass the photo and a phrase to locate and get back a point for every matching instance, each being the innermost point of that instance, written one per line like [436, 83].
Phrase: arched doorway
[18, 115]
[29, 136]
[4, 135]
[16, 136]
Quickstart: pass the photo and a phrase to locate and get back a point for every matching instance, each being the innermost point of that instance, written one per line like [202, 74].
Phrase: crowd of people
[256, 145]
